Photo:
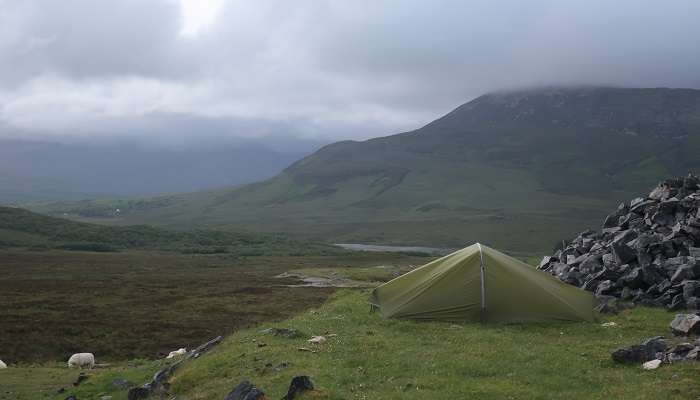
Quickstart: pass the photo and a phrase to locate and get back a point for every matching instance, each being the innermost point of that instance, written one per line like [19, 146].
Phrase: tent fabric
[450, 289]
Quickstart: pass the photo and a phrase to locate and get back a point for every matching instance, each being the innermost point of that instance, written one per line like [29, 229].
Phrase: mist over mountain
[517, 168]
[40, 170]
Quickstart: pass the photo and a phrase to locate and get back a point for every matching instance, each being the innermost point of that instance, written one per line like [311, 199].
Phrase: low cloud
[325, 70]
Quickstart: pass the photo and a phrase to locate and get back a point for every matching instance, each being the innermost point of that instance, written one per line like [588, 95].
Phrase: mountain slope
[519, 170]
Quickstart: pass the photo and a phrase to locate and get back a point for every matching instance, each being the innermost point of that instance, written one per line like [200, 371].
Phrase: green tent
[478, 283]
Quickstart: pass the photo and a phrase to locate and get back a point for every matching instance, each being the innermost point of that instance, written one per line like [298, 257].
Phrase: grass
[373, 358]
[22, 228]
[135, 304]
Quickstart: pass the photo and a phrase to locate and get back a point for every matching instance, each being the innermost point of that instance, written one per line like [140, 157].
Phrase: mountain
[31, 170]
[517, 169]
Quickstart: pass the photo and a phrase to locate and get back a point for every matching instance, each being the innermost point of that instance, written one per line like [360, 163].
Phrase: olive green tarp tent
[478, 283]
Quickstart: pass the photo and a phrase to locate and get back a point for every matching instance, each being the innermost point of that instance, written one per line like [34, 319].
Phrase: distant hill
[41, 171]
[20, 228]
[520, 170]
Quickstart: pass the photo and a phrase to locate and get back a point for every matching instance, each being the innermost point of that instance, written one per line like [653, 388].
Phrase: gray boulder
[685, 324]
[299, 385]
[245, 391]
[650, 349]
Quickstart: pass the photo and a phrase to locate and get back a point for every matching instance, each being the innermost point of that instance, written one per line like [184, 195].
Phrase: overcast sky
[169, 71]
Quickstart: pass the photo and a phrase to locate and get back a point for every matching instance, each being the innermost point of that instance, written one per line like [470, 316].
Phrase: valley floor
[175, 300]
[373, 358]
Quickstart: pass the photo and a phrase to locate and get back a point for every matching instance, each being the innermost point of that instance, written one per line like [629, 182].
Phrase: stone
[317, 340]
[648, 350]
[655, 345]
[691, 289]
[590, 263]
[545, 262]
[681, 348]
[693, 303]
[604, 287]
[677, 303]
[694, 354]
[633, 280]
[299, 385]
[622, 254]
[683, 272]
[245, 391]
[653, 364]
[138, 393]
[631, 354]
[685, 324]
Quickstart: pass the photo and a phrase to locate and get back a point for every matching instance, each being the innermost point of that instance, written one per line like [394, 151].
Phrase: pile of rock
[654, 351]
[648, 251]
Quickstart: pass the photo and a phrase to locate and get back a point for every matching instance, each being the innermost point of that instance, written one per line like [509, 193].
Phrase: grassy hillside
[518, 170]
[22, 228]
[374, 358]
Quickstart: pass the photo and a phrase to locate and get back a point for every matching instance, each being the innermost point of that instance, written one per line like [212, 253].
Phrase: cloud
[325, 70]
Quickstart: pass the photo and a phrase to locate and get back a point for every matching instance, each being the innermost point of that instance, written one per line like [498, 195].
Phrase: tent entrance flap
[483, 284]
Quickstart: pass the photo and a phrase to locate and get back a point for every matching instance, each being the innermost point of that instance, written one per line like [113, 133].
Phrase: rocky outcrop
[650, 349]
[647, 252]
[248, 391]
[160, 384]
[652, 352]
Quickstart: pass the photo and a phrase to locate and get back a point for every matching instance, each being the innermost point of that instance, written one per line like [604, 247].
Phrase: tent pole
[483, 285]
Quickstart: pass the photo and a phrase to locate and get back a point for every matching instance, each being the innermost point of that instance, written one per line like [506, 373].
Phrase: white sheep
[2, 365]
[82, 360]
[176, 353]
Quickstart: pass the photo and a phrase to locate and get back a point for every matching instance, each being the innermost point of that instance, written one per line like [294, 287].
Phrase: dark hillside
[517, 169]
[22, 228]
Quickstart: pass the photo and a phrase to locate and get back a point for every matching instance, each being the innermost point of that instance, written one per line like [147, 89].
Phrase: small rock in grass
[317, 339]
[138, 393]
[246, 391]
[299, 385]
[606, 324]
[653, 364]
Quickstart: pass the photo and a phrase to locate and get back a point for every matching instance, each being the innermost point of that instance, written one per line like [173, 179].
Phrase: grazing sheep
[176, 353]
[2, 365]
[82, 360]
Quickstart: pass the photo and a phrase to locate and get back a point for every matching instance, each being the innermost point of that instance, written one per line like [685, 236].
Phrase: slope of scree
[648, 251]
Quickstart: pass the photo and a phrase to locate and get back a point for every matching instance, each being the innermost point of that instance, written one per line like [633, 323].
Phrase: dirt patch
[321, 282]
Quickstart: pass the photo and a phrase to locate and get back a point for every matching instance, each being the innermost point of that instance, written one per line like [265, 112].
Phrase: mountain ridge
[517, 169]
